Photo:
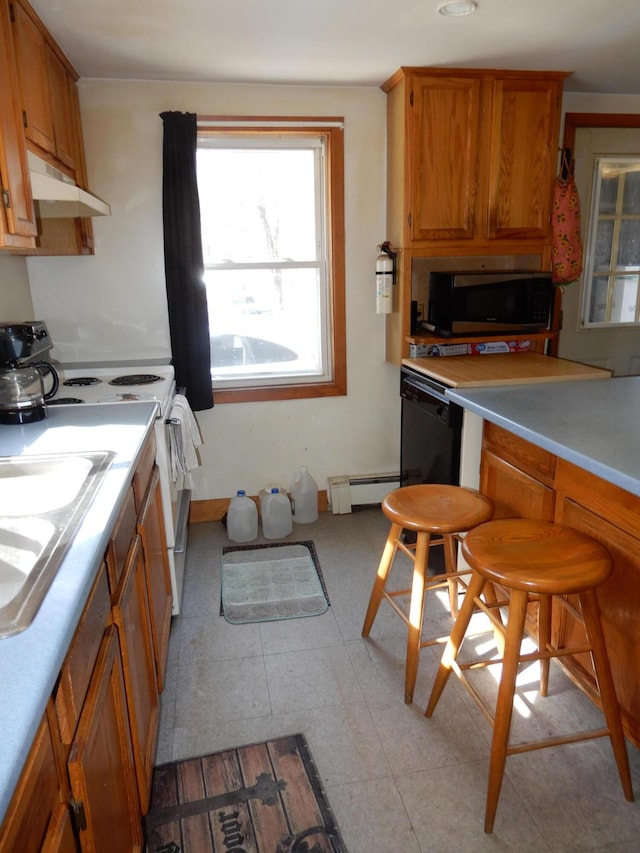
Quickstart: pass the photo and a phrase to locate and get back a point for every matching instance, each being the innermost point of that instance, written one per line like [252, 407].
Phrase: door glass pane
[631, 200]
[608, 195]
[598, 304]
[602, 253]
[629, 246]
[624, 298]
[265, 321]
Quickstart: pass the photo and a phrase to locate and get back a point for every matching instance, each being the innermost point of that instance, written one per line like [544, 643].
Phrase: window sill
[337, 388]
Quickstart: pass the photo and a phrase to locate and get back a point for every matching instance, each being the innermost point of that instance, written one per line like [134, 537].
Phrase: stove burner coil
[82, 380]
[136, 379]
[62, 401]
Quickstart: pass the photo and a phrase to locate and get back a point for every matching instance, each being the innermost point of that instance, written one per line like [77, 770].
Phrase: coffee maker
[23, 372]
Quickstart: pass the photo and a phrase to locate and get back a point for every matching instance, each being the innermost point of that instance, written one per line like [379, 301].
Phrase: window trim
[333, 130]
[613, 272]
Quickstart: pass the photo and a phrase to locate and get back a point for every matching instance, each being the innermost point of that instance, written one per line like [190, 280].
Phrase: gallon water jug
[304, 497]
[242, 518]
[276, 515]
[262, 494]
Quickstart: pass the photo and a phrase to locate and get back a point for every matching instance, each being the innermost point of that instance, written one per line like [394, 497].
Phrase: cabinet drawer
[81, 657]
[527, 457]
[118, 547]
[143, 471]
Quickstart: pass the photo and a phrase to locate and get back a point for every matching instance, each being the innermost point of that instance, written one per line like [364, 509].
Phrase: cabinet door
[60, 837]
[60, 87]
[101, 769]
[513, 492]
[523, 156]
[156, 563]
[131, 615]
[443, 149]
[36, 799]
[619, 600]
[17, 219]
[31, 58]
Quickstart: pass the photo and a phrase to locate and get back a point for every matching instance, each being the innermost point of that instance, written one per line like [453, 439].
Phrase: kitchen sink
[43, 500]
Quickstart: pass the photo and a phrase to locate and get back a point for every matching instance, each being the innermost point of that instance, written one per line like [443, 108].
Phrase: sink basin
[43, 500]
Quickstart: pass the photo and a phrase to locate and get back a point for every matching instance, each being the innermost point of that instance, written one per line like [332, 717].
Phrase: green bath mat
[264, 583]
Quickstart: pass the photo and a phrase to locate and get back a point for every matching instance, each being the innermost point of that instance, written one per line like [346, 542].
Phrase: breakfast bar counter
[592, 424]
[570, 453]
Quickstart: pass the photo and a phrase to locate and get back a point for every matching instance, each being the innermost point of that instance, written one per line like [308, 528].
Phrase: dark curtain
[183, 264]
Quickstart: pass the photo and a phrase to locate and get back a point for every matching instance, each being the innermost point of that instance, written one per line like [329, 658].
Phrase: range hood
[57, 196]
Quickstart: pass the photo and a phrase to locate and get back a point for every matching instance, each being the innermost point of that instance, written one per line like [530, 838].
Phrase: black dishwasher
[431, 432]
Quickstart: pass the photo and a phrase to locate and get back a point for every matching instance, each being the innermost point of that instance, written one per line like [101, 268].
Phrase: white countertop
[31, 660]
[595, 425]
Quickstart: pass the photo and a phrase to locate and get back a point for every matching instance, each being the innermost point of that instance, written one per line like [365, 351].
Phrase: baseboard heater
[347, 491]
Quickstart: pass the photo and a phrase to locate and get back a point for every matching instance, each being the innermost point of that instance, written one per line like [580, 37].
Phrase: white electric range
[121, 383]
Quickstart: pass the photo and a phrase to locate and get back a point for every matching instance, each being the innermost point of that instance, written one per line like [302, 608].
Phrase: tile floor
[396, 781]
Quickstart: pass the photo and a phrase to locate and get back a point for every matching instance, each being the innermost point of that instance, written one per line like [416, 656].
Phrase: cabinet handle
[78, 815]
[6, 199]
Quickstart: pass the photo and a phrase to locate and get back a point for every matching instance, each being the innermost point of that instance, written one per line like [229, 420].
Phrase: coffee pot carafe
[23, 373]
[22, 392]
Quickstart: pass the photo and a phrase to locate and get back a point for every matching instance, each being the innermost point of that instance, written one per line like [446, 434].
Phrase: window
[271, 207]
[611, 296]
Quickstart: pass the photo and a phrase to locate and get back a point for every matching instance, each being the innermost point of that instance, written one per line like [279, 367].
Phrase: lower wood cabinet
[37, 803]
[60, 836]
[156, 565]
[131, 616]
[100, 764]
[87, 781]
[525, 480]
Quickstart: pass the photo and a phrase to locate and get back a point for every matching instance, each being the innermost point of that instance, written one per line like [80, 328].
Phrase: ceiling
[345, 42]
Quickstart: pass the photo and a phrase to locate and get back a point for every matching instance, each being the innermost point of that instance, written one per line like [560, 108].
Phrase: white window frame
[613, 271]
[327, 137]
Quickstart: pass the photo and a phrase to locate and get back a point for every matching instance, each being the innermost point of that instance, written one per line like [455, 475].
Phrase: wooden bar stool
[544, 560]
[426, 509]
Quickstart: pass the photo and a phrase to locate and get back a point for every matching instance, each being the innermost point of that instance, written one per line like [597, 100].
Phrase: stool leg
[451, 565]
[416, 611]
[544, 640]
[454, 642]
[610, 705]
[384, 567]
[504, 703]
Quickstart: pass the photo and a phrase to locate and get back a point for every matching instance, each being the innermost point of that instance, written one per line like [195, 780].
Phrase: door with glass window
[609, 290]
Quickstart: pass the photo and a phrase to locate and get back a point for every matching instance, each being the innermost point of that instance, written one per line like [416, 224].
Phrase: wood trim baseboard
[215, 508]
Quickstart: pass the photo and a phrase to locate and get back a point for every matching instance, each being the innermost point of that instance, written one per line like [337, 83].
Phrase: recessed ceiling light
[457, 8]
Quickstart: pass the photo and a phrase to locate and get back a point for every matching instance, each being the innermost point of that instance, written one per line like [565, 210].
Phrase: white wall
[113, 304]
[15, 296]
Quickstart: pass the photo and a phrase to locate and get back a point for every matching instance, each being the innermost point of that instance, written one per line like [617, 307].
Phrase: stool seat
[426, 509]
[555, 565]
[537, 556]
[436, 508]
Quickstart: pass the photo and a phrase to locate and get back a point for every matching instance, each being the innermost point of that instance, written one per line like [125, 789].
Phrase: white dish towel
[184, 438]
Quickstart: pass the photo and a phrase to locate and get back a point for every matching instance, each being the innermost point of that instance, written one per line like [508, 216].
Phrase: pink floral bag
[566, 244]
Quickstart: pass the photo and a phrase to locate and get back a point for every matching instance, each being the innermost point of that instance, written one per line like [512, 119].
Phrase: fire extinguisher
[385, 275]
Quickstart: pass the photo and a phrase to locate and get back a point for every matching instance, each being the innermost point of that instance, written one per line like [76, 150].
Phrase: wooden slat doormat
[262, 798]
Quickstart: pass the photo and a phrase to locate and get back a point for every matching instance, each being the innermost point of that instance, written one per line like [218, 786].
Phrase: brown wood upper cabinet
[47, 88]
[39, 112]
[17, 214]
[472, 156]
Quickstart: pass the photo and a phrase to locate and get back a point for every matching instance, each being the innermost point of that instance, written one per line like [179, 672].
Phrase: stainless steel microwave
[473, 303]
